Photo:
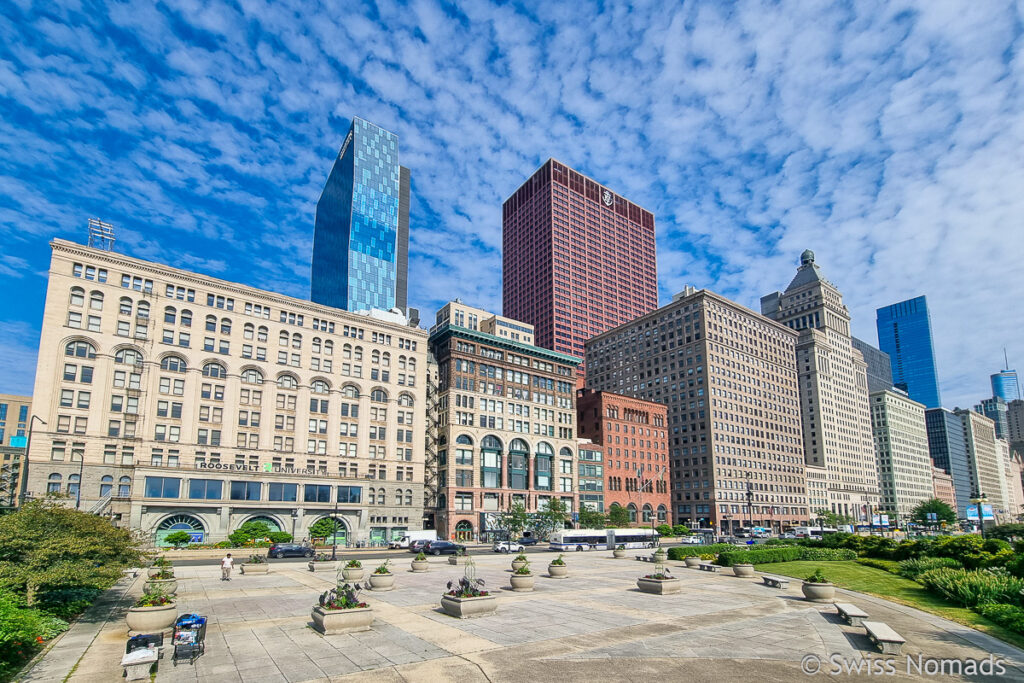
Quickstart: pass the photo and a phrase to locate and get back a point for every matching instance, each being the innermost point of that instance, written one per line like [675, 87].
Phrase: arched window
[173, 364]
[125, 306]
[386, 360]
[350, 391]
[143, 310]
[490, 443]
[211, 323]
[296, 341]
[170, 315]
[401, 362]
[316, 345]
[319, 387]
[381, 498]
[225, 325]
[519, 445]
[544, 448]
[77, 296]
[371, 498]
[53, 483]
[282, 339]
[647, 512]
[464, 440]
[631, 509]
[375, 357]
[328, 348]
[249, 331]
[408, 496]
[74, 481]
[96, 301]
[188, 523]
[287, 382]
[252, 376]
[566, 452]
[80, 349]
[405, 400]
[261, 334]
[128, 357]
[186, 317]
[398, 496]
[662, 513]
[106, 485]
[214, 369]
[379, 396]
[358, 353]
[346, 351]
[124, 487]
[412, 365]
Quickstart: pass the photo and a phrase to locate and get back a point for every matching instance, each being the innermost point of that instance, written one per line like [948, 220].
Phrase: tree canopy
[618, 516]
[945, 513]
[591, 519]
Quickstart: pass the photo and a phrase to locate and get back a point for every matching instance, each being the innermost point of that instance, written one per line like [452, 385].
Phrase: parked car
[528, 540]
[443, 548]
[788, 535]
[507, 547]
[691, 540]
[418, 545]
[280, 550]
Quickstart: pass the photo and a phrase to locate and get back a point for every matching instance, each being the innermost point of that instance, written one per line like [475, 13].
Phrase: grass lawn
[856, 577]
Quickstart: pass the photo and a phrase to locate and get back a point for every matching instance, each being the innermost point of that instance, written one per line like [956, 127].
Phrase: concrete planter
[333, 621]
[516, 564]
[457, 559]
[249, 568]
[522, 583]
[382, 582]
[151, 619]
[168, 586]
[465, 608]
[420, 566]
[692, 562]
[558, 571]
[322, 566]
[618, 554]
[745, 571]
[659, 586]
[819, 592]
[659, 556]
[352, 574]
[153, 571]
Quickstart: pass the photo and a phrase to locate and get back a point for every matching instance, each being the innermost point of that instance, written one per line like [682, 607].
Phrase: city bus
[812, 531]
[597, 539]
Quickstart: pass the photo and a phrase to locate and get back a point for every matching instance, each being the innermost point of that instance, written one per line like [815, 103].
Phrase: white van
[411, 536]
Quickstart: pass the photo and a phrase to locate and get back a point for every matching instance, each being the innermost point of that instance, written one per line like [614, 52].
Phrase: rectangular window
[284, 492]
[317, 493]
[162, 487]
[350, 494]
[204, 489]
[245, 490]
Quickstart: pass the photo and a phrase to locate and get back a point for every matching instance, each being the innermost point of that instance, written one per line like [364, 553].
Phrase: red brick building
[578, 259]
[635, 440]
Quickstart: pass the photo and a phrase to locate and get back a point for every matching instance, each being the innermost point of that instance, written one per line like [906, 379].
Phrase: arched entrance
[186, 523]
[328, 531]
[271, 523]
[464, 531]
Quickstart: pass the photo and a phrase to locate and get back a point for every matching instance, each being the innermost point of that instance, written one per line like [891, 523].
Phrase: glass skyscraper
[905, 333]
[361, 239]
[1004, 385]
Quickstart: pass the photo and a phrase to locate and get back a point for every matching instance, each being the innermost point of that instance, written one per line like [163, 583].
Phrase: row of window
[213, 489]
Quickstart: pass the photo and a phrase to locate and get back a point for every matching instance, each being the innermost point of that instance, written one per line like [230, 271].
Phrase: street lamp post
[750, 506]
[78, 490]
[23, 489]
[295, 518]
[334, 530]
[980, 502]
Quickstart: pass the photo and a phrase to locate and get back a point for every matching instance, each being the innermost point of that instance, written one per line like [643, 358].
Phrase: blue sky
[887, 137]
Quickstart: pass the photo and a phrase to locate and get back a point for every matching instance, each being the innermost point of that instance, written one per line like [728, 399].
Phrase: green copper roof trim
[506, 343]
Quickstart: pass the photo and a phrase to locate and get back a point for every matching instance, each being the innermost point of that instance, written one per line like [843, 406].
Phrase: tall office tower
[174, 401]
[901, 448]
[506, 422]
[986, 463]
[833, 388]
[729, 379]
[905, 333]
[947, 446]
[879, 366]
[361, 239]
[1004, 385]
[578, 259]
[995, 409]
[634, 437]
[1015, 425]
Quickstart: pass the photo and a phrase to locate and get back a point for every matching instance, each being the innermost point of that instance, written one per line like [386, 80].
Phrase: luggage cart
[189, 638]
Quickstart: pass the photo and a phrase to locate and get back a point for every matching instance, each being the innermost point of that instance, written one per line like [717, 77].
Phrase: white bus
[812, 531]
[597, 539]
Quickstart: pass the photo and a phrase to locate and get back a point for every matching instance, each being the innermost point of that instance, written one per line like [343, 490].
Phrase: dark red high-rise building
[578, 259]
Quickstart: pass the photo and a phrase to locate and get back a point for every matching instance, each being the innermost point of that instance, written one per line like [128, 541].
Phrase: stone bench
[851, 614]
[775, 581]
[887, 640]
[709, 567]
[137, 664]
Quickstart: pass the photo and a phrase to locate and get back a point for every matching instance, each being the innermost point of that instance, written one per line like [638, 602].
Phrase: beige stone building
[15, 413]
[15, 416]
[985, 461]
[505, 422]
[176, 401]
[729, 379]
[833, 388]
[901, 449]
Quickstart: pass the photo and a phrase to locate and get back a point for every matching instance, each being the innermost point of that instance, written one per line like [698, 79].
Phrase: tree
[944, 513]
[249, 532]
[680, 530]
[831, 519]
[618, 516]
[514, 520]
[551, 517]
[664, 530]
[45, 545]
[591, 519]
[1006, 532]
[326, 527]
[178, 538]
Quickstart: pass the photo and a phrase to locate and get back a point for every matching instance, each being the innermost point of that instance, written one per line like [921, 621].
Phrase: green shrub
[817, 577]
[971, 588]
[178, 538]
[766, 556]
[680, 530]
[1016, 566]
[1009, 616]
[67, 603]
[224, 544]
[679, 552]
[911, 569]
[827, 554]
[279, 537]
[22, 632]
[663, 530]
[884, 565]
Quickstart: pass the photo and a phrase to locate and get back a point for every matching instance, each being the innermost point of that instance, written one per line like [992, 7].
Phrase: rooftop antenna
[1006, 361]
[101, 235]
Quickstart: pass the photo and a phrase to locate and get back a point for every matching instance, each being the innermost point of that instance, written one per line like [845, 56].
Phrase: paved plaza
[593, 625]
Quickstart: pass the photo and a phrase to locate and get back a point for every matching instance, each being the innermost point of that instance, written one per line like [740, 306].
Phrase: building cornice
[449, 330]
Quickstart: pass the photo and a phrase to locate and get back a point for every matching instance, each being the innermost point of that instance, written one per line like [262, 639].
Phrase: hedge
[973, 588]
[885, 565]
[727, 559]
[681, 552]
[1009, 616]
[827, 554]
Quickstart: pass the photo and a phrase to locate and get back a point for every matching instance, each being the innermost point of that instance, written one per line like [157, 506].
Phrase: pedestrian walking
[226, 565]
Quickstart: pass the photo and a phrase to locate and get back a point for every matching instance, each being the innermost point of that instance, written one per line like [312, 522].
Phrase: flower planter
[457, 559]
[251, 568]
[465, 608]
[153, 571]
[332, 621]
[745, 571]
[382, 582]
[420, 566]
[659, 557]
[618, 554]
[167, 586]
[659, 586]
[352, 574]
[692, 562]
[315, 566]
[522, 583]
[819, 592]
[558, 571]
[516, 564]
[151, 619]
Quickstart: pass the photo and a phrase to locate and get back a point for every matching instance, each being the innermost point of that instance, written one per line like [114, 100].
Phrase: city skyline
[193, 135]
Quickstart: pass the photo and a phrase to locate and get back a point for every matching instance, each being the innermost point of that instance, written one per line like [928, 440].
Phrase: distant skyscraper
[1004, 385]
[361, 240]
[578, 259]
[905, 333]
[947, 445]
[901, 446]
[996, 409]
[879, 366]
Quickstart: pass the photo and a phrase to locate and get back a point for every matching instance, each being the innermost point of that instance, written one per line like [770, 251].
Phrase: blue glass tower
[1004, 385]
[947, 445]
[361, 239]
[905, 333]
